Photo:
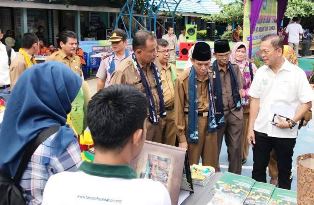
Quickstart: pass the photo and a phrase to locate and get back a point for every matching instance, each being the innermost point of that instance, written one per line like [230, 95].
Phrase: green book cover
[260, 194]
[231, 189]
[283, 197]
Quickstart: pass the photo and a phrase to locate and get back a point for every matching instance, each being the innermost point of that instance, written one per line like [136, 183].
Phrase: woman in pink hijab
[239, 56]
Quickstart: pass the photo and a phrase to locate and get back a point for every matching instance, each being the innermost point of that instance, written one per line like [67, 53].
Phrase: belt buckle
[205, 114]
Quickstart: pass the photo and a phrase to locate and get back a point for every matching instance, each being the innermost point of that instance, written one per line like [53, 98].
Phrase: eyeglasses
[165, 51]
[266, 52]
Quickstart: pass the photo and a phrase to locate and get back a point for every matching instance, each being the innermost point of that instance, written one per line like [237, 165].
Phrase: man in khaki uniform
[168, 76]
[228, 87]
[194, 108]
[67, 42]
[173, 42]
[24, 58]
[140, 71]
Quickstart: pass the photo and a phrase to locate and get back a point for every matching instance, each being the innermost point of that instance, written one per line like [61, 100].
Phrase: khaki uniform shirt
[182, 101]
[18, 66]
[228, 103]
[167, 84]
[126, 73]
[173, 42]
[74, 62]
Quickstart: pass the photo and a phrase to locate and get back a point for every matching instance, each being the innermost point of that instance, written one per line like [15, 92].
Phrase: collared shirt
[173, 42]
[286, 89]
[126, 73]
[167, 84]
[4, 66]
[104, 184]
[43, 164]
[18, 66]
[103, 73]
[74, 61]
[227, 98]
[182, 101]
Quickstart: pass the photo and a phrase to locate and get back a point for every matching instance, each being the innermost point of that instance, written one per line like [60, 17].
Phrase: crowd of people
[142, 97]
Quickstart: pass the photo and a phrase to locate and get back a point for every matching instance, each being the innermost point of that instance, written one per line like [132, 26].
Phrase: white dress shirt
[4, 66]
[286, 89]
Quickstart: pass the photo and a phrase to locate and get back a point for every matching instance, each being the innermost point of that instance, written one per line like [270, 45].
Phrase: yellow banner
[266, 23]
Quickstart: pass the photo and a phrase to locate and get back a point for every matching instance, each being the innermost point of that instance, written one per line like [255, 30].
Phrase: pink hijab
[233, 55]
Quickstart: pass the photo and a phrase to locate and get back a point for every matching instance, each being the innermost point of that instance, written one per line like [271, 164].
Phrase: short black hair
[114, 114]
[28, 40]
[64, 35]
[162, 42]
[295, 19]
[276, 41]
[169, 26]
[140, 38]
[121, 33]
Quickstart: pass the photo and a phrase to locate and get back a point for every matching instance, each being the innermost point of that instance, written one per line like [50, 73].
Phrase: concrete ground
[304, 144]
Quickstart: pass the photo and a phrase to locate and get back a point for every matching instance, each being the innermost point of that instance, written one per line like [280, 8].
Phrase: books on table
[241, 190]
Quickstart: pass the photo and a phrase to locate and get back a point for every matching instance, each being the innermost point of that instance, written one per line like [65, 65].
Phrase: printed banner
[266, 24]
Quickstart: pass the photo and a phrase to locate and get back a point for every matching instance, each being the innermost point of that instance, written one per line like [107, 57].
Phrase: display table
[203, 194]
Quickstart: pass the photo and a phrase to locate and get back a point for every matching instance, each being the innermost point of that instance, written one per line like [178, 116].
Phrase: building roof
[191, 6]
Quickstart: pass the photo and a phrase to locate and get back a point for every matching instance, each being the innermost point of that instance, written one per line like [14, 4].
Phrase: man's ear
[137, 137]
[138, 51]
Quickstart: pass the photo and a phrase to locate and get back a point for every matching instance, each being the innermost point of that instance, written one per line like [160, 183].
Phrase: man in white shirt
[116, 118]
[294, 30]
[280, 96]
[173, 42]
[5, 60]
[109, 64]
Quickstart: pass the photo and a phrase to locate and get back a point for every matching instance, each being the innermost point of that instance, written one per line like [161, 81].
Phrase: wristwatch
[292, 123]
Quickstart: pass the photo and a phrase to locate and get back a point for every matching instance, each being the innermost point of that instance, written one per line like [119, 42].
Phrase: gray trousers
[233, 131]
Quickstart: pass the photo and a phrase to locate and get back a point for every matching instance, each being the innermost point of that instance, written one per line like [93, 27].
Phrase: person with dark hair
[110, 62]
[140, 71]
[168, 77]
[195, 109]
[228, 91]
[67, 43]
[182, 37]
[280, 96]
[173, 42]
[116, 118]
[41, 99]
[7, 55]
[25, 57]
[294, 31]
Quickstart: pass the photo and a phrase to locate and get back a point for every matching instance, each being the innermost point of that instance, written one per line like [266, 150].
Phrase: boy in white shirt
[116, 118]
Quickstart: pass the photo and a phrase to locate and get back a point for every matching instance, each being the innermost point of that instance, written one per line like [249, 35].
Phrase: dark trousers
[284, 150]
[232, 130]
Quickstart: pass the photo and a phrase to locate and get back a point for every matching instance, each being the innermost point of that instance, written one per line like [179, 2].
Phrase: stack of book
[231, 189]
[260, 194]
[283, 197]
[241, 190]
[201, 174]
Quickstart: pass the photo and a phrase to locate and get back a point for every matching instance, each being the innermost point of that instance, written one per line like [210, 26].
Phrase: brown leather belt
[201, 114]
